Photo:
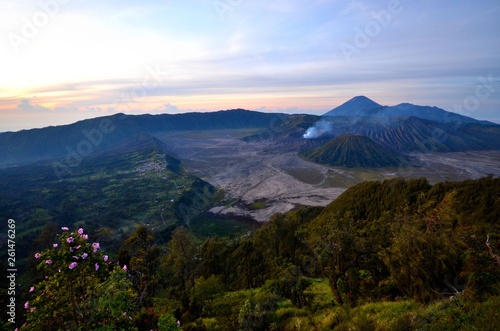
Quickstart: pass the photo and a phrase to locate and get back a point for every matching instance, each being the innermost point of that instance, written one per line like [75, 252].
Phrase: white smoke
[319, 129]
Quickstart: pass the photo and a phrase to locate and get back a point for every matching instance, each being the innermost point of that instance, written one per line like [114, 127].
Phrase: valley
[248, 200]
[260, 180]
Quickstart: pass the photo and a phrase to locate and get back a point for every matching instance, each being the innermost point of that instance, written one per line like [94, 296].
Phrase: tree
[167, 322]
[206, 290]
[342, 245]
[249, 267]
[142, 256]
[291, 285]
[421, 262]
[181, 261]
[214, 254]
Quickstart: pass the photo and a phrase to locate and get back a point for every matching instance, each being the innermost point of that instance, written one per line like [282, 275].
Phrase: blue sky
[66, 60]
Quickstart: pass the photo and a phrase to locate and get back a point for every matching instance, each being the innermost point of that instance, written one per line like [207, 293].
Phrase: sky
[67, 60]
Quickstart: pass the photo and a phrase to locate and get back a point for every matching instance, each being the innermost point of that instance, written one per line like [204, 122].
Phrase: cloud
[282, 54]
[27, 106]
[171, 109]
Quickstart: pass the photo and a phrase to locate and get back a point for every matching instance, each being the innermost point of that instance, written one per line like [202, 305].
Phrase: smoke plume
[319, 129]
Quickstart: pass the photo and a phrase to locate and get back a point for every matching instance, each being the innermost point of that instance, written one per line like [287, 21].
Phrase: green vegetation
[214, 225]
[260, 204]
[79, 289]
[108, 196]
[355, 151]
[392, 255]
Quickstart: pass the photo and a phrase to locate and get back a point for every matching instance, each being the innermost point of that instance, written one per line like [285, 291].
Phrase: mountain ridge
[405, 128]
[362, 106]
[92, 135]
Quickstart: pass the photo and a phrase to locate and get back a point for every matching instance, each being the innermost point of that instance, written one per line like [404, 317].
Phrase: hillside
[386, 255]
[89, 136]
[404, 128]
[408, 134]
[355, 151]
[412, 134]
[135, 183]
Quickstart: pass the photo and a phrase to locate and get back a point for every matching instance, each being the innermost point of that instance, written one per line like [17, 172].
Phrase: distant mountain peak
[362, 98]
[362, 101]
[354, 106]
[363, 107]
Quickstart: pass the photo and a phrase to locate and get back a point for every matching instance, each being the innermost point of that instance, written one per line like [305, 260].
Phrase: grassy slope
[355, 151]
[321, 314]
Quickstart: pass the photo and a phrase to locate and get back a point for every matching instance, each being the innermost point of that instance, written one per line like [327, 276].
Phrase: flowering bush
[81, 290]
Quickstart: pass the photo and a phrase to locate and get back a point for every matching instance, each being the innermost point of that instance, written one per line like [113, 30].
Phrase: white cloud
[171, 109]
[27, 106]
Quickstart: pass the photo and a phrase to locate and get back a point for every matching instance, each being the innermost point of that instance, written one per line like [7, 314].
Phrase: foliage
[180, 263]
[392, 255]
[167, 322]
[345, 249]
[80, 290]
[421, 263]
[205, 291]
[142, 255]
[118, 192]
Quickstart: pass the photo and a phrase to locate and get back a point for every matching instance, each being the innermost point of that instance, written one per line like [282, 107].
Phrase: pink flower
[59, 270]
[32, 310]
[55, 245]
[73, 265]
[125, 267]
[64, 228]
[95, 246]
[70, 240]
[80, 231]
[96, 266]
[78, 247]
[85, 236]
[84, 256]
[32, 289]
[26, 305]
[37, 255]
[106, 258]
[76, 257]
[48, 261]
